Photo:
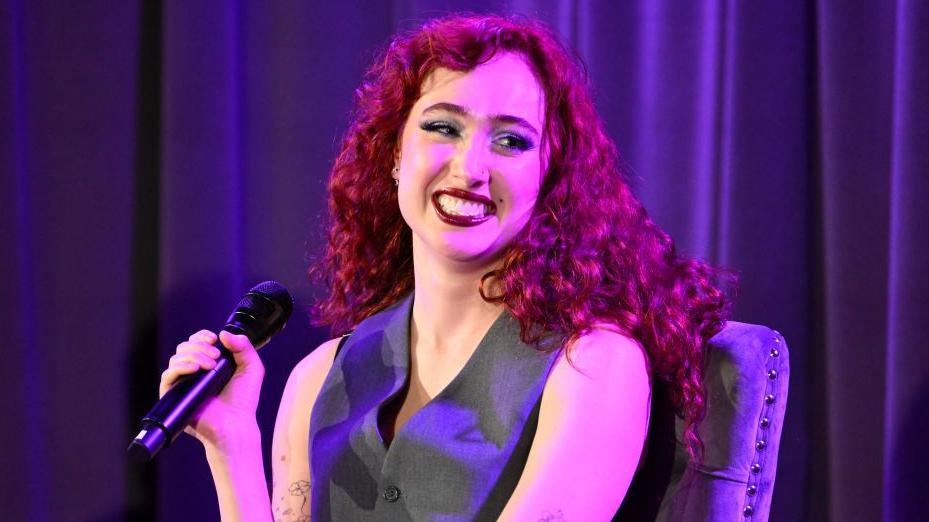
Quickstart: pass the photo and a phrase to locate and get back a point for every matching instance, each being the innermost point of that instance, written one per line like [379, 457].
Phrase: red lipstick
[463, 221]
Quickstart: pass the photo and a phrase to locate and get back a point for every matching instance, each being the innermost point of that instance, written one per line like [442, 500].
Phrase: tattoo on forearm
[548, 516]
[301, 488]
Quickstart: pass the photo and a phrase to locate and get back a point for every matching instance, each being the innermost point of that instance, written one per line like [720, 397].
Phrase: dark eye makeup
[513, 141]
[441, 127]
[509, 141]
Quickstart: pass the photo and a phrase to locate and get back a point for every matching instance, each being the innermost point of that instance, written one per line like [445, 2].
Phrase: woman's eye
[440, 127]
[514, 142]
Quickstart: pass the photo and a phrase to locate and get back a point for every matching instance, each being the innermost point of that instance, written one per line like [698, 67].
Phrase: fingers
[200, 359]
[191, 356]
[203, 336]
[174, 372]
[199, 353]
[181, 364]
[192, 347]
[244, 354]
[235, 343]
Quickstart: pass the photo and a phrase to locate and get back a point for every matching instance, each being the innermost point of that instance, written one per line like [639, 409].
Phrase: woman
[511, 307]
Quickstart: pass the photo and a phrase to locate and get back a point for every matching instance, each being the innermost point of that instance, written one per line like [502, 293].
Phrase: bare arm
[290, 459]
[226, 423]
[229, 432]
[590, 435]
[238, 475]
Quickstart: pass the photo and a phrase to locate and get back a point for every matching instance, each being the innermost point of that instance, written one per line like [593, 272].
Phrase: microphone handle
[173, 412]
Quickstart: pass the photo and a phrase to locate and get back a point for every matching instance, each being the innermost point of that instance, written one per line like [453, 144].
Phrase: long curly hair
[589, 253]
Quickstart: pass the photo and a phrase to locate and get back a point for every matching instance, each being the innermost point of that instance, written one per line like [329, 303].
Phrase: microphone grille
[261, 313]
[276, 293]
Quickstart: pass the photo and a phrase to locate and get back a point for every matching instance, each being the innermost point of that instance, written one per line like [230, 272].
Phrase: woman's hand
[222, 418]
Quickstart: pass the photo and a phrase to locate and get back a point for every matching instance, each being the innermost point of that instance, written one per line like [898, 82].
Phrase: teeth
[461, 207]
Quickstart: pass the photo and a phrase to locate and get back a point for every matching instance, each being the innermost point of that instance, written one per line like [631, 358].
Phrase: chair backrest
[746, 386]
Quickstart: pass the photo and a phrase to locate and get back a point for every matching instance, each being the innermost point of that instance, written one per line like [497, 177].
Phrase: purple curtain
[157, 159]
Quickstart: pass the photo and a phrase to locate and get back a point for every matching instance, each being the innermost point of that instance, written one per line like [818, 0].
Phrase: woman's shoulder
[606, 349]
[603, 370]
[592, 422]
[308, 375]
[315, 366]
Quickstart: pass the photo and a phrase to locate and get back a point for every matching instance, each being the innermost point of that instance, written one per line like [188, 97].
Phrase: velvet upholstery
[746, 385]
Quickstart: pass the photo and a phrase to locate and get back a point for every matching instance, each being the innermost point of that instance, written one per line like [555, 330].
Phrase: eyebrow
[461, 111]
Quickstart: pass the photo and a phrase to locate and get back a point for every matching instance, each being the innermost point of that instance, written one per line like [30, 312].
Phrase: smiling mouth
[462, 208]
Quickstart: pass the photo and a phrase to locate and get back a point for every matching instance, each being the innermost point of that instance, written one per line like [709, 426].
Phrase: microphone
[260, 314]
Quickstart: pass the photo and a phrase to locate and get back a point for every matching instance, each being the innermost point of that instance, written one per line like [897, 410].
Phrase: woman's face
[470, 164]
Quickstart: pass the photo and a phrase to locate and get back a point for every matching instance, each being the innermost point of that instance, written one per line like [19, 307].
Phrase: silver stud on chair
[769, 398]
[748, 511]
[756, 468]
[774, 352]
[752, 490]
[772, 374]
[760, 445]
[765, 422]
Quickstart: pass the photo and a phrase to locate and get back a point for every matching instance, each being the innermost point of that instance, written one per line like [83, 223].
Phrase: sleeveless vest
[458, 458]
[461, 455]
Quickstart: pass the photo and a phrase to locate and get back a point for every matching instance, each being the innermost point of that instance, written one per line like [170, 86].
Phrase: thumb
[242, 350]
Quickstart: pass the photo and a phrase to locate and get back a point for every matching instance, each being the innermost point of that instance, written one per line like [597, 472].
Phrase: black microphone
[259, 315]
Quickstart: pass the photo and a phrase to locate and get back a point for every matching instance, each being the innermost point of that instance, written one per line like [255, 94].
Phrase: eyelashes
[507, 140]
[514, 141]
[440, 127]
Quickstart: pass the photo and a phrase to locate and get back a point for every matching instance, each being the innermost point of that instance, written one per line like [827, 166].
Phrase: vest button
[391, 493]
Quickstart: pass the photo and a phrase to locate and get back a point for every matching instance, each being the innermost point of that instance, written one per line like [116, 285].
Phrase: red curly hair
[589, 253]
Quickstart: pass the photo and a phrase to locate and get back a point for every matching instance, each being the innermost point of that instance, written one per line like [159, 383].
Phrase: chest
[467, 426]
[430, 373]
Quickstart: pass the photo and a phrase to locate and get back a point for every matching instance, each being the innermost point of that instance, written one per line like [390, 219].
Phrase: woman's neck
[448, 311]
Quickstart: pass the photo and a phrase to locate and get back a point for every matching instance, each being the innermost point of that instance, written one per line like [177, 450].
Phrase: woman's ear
[397, 158]
[398, 148]
[398, 154]
[395, 171]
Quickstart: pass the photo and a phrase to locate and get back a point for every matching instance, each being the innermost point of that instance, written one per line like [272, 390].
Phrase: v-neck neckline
[398, 334]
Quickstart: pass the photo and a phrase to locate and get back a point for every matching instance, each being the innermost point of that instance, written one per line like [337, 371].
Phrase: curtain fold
[21, 363]
[856, 58]
[68, 116]
[159, 158]
[907, 367]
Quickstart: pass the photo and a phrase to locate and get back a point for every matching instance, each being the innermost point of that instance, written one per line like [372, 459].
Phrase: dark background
[159, 158]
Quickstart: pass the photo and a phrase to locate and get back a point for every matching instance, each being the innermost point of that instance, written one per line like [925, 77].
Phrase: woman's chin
[462, 247]
[470, 253]
[467, 256]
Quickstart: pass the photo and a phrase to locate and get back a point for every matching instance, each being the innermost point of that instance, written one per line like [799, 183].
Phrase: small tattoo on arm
[301, 488]
[548, 516]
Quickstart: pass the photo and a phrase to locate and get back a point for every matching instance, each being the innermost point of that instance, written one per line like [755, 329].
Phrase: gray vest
[457, 458]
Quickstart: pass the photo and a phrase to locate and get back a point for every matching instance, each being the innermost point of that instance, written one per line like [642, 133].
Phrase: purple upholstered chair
[746, 386]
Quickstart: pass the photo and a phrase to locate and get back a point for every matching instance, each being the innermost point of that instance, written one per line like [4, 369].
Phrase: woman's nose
[471, 165]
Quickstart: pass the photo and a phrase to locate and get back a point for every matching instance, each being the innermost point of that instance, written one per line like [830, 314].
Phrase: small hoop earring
[396, 182]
